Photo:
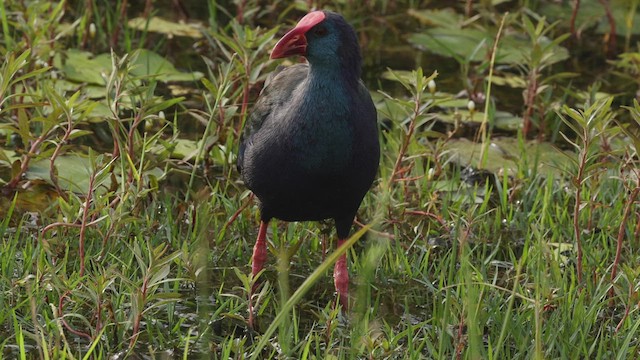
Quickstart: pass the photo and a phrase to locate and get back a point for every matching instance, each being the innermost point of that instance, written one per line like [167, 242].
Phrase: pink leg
[257, 263]
[341, 278]
[259, 250]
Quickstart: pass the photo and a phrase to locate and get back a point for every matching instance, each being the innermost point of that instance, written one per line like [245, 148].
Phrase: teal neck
[331, 85]
[326, 103]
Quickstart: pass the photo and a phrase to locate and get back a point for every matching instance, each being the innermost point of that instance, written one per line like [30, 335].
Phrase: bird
[310, 150]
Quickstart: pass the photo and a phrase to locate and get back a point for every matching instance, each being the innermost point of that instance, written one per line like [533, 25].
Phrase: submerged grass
[453, 262]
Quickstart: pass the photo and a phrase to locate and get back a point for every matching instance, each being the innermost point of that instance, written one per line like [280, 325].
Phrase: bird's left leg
[341, 277]
[259, 250]
[258, 259]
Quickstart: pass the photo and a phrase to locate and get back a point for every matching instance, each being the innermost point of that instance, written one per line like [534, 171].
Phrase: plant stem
[84, 224]
[408, 136]
[576, 208]
[483, 127]
[574, 15]
[621, 231]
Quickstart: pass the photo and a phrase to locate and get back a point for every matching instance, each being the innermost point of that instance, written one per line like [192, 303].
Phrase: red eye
[320, 31]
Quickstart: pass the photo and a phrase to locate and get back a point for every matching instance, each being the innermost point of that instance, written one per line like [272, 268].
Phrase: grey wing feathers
[277, 89]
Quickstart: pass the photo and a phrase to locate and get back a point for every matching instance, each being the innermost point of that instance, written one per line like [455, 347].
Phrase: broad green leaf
[150, 64]
[463, 43]
[506, 154]
[593, 15]
[82, 66]
[502, 120]
[163, 26]
[438, 17]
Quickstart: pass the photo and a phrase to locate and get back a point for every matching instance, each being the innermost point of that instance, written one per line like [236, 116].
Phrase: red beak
[294, 42]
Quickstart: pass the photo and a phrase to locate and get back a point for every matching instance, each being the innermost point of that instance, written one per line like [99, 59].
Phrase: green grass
[139, 257]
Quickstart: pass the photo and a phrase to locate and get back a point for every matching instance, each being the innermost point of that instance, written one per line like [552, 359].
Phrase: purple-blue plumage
[310, 147]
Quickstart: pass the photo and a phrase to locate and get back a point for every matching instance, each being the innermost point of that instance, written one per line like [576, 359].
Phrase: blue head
[326, 40]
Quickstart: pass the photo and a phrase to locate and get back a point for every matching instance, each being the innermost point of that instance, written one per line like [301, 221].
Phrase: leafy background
[504, 222]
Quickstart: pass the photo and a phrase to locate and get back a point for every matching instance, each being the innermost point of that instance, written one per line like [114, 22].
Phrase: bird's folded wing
[277, 91]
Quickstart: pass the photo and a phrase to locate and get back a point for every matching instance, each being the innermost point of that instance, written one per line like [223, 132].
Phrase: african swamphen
[310, 147]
